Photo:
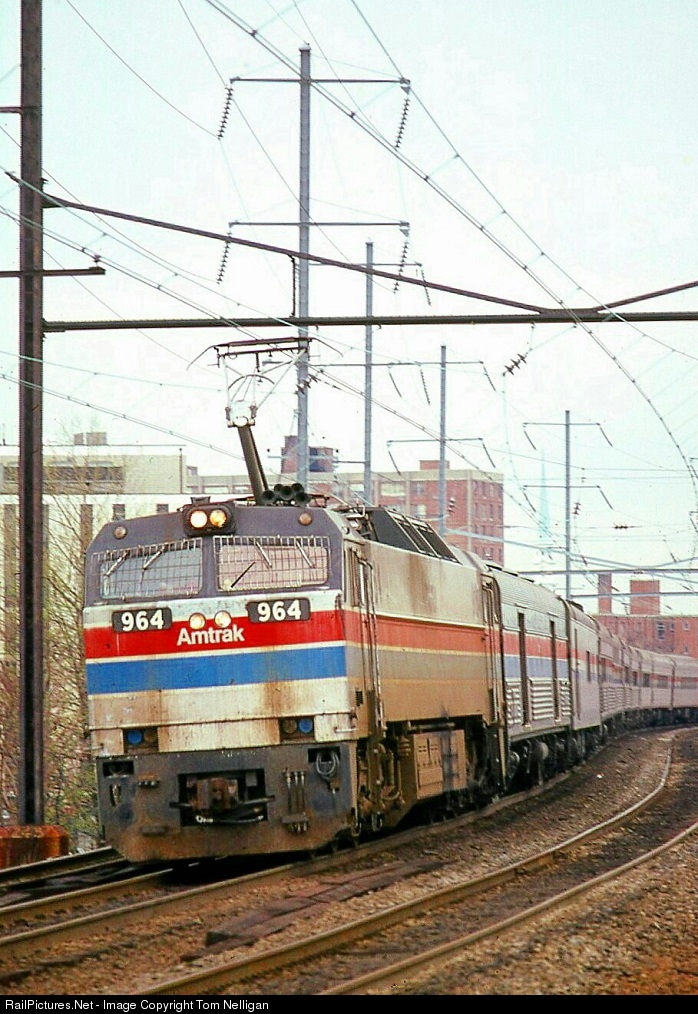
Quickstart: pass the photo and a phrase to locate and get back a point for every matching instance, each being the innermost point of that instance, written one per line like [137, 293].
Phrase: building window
[392, 489]
[162, 508]
[660, 631]
[118, 511]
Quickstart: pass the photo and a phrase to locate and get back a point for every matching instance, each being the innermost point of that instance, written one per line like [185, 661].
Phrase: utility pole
[568, 510]
[306, 82]
[368, 379]
[442, 447]
[31, 540]
[568, 489]
[368, 358]
[303, 264]
[30, 782]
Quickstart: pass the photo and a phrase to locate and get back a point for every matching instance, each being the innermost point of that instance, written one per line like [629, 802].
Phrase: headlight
[208, 518]
[222, 618]
[218, 518]
[198, 519]
[197, 621]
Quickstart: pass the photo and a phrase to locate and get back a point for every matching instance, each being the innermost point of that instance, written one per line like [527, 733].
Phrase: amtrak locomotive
[274, 675]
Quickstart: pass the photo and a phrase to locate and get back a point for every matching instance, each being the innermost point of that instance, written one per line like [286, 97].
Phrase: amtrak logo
[230, 635]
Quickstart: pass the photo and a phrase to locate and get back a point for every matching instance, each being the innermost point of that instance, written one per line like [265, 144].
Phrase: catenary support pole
[368, 381]
[442, 447]
[31, 534]
[303, 264]
[568, 510]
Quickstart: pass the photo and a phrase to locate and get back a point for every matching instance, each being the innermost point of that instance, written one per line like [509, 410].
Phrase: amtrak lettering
[227, 636]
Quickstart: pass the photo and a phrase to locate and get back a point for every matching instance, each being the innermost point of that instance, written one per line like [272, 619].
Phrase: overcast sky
[547, 156]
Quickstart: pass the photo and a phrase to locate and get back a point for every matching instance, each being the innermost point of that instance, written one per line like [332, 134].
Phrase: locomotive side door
[495, 667]
[372, 777]
[363, 587]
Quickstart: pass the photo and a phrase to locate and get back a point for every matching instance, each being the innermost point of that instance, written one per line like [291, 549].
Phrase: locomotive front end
[219, 710]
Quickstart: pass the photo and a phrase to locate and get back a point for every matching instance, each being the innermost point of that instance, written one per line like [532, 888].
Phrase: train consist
[275, 675]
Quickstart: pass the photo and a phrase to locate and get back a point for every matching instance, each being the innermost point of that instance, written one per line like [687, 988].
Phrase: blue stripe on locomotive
[181, 672]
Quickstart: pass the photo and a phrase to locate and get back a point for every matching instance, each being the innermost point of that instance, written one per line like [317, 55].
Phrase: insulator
[424, 385]
[226, 111]
[403, 121]
[224, 261]
[426, 288]
[403, 261]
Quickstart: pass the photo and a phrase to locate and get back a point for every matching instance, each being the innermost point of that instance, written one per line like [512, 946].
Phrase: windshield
[244, 563]
[164, 570]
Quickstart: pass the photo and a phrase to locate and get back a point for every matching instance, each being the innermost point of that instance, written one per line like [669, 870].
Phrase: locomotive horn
[300, 497]
[284, 494]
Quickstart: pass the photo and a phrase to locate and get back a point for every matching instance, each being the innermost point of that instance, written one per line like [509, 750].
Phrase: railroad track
[395, 976]
[166, 894]
[307, 965]
[67, 943]
[17, 878]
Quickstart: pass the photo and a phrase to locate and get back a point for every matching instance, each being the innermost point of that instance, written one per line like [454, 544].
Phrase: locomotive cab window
[163, 570]
[247, 563]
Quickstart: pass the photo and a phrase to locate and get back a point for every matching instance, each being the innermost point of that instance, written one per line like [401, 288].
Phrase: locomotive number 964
[128, 620]
[278, 609]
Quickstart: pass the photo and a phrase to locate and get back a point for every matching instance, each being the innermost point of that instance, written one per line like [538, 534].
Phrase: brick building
[644, 625]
